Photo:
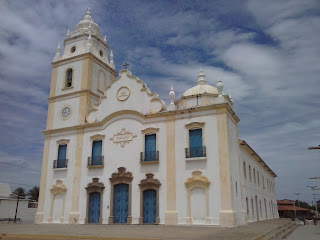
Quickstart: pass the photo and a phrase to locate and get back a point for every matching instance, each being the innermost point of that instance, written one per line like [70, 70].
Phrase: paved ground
[45, 231]
[307, 232]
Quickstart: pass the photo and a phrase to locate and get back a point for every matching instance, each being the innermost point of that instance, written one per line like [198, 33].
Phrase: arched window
[69, 77]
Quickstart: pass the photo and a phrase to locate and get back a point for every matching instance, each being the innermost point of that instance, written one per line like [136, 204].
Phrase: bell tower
[79, 75]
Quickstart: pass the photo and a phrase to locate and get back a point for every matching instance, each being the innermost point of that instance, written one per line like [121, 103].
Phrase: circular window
[73, 49]
[101, 53]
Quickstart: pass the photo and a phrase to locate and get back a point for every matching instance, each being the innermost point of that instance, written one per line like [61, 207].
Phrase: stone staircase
[278, 233]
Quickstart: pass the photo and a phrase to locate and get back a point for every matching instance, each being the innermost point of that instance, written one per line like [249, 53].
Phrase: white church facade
[115, 153]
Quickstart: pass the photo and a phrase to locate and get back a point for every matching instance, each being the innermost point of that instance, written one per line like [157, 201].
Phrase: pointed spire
[68, 33]
[105, 39]
[201, 78]
[219, 86]
[88, 14]
[111, 60]
[57, 56]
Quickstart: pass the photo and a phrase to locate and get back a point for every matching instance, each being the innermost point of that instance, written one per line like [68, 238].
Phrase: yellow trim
[54, 76]
[149, 162]
[81, 92]
[39, 215]
[96, 166]
[227, 214]
[150, 130]
[195, 125]
[171, 215]
[97, 137]
[74, 214]
[84, 56]
[63, 141]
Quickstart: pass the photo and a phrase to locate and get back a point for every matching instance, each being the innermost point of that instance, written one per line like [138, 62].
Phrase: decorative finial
[172, 95]
[105, 39]
[68, 33]
[111, 60]
[88, 11]
[201, 78]
[219, 86]
[57, 56]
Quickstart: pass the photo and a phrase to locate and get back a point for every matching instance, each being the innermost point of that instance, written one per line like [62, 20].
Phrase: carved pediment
[197, 180]
[59, 187]
[95, 186]
[121, 176]
[149, 180]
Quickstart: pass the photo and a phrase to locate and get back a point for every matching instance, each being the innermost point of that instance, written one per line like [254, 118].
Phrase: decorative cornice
[219, 107]
[197, 180]
[195, 125]
[95, 185]
[121, 176]
[149, 180]
[97, 137]
[150, 130]
[72, 94]
[63, 141]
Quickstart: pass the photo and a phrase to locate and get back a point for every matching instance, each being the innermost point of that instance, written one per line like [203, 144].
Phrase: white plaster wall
[129, 157]
[208, 167]
[58, 121]
[79, 43]
[76, 65]
[250, 189]
[65, 175]
[95, 77]
[8, 209]
[234, 165]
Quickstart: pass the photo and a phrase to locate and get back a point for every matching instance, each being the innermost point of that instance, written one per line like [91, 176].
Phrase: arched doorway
[120, 198]
[149, 200]
[94, 201]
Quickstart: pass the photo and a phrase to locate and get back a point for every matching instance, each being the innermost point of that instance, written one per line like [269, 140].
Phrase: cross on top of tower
[126, 64]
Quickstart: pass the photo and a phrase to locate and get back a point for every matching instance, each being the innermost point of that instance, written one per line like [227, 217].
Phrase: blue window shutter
[62, 152]
[150, 144]
[96, 152]
[150, 147]
[195, 142]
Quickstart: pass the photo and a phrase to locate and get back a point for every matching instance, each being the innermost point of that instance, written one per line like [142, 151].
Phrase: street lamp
[314, 188]
[298, 198]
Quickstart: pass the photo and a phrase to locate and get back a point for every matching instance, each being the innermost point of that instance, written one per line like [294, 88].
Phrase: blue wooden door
[195, 141]
[149, 206]
[120, 203]
[94, 207]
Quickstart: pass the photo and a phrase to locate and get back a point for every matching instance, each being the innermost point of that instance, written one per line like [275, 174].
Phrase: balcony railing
[60, 163]
[194, 152]
[95, 161]
[149, 156]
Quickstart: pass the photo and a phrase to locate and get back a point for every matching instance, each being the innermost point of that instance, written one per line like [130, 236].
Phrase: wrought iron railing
[95, 161]
[60, 163]
[196, 152]
[149, 156]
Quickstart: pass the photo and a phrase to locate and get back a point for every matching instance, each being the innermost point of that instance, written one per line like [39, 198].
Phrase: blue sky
[267, 56]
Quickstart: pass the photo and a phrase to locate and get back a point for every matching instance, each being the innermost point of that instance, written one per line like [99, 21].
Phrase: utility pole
[15, 216]
[298, 198]
[314, 188]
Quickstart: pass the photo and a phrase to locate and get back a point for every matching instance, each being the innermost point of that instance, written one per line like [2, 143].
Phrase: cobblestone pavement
[307, 232]
[45, 231]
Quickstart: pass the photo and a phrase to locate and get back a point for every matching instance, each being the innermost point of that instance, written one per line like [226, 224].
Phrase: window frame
[149, 131]
[194, 126]
[97, 137]
[65, 85]
[60, 143]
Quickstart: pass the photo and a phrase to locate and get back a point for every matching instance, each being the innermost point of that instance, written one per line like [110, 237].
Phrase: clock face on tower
[66, 112]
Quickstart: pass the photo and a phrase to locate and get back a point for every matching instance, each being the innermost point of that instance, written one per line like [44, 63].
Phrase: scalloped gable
[127, 92]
